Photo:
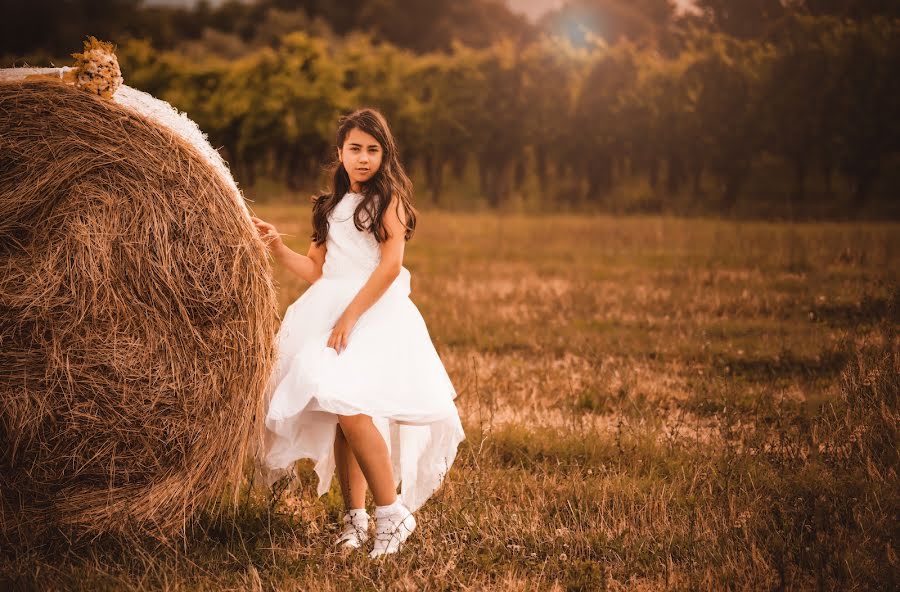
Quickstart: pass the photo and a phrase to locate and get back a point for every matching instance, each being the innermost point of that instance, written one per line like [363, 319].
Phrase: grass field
[650, 403]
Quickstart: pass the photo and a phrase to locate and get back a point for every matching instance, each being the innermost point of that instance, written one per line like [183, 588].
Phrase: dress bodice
[349, 251]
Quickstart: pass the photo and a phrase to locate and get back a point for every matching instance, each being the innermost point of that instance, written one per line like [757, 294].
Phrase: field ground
[650, 403]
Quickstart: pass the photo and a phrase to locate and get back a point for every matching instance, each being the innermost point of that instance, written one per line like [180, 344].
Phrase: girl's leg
[350, 476]
[372, 455]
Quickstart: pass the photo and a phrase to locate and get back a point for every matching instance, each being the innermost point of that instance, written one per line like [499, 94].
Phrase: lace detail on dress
[349, 251]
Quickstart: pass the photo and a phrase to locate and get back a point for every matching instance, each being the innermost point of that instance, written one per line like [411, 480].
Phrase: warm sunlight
[495, 295]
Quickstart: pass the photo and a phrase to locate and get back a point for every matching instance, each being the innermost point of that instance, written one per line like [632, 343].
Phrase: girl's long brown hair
[389, 180]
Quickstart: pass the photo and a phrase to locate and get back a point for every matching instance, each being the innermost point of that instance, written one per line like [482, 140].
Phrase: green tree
[550, 71]
[448, 98]
[601, 130]
[726, 86]
[742, 19]
[378, 76]
[867, 105]
[307, 91]
[674, 131]
[498, 122]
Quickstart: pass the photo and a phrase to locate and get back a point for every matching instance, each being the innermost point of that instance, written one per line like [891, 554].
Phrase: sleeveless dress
[389, 370]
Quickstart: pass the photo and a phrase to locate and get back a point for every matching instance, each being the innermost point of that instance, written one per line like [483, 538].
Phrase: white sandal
[355, 532]
[391, 530]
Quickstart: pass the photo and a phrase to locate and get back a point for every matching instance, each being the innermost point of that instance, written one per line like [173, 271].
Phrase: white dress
[389, 371]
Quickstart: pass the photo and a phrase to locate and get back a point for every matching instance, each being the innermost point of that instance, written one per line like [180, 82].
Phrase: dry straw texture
[137, 320]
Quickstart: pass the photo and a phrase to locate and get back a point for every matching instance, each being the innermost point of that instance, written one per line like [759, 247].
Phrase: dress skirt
[389, 370]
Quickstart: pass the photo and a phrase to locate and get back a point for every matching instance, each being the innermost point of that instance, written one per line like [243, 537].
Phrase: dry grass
[650, 403]
[137, 318]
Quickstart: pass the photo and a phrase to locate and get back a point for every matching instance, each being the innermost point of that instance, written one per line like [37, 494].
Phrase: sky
[533, 9]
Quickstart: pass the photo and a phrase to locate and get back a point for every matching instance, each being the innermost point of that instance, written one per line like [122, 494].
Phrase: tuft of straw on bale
[96, 69]
[137, 320]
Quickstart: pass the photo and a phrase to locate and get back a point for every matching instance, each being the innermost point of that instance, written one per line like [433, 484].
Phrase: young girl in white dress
[358, 385]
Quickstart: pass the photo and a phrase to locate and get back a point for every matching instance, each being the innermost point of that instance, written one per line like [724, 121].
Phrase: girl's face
[361, 156]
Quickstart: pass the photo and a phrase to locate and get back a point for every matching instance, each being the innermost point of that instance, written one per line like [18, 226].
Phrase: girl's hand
[341, 333]
[269, 235]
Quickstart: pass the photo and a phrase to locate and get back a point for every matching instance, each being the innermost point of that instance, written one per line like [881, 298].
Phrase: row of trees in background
[820, 95]
[51, 28]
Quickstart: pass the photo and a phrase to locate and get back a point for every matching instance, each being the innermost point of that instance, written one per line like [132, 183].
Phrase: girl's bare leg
[350, 476]
[372, 455]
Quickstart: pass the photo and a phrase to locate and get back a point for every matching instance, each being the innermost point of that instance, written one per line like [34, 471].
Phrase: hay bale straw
[137, 320]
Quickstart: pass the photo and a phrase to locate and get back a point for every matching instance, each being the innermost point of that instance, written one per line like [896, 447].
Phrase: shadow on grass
[868, 310]
[786, 366]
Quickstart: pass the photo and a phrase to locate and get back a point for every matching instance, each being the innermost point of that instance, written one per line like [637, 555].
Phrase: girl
[358, 385]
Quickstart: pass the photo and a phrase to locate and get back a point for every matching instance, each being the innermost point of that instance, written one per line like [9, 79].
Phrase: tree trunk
[541, 165]
[863, 182]
[249, 170]
[828, 175]
[434, 177]
[458, 166]
[697, 178]
[733, 181]
[519, 173]
[674, 175]
[484, 174]
[798, 191]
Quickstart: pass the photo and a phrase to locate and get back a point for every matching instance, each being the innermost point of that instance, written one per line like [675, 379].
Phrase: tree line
[820, 96]
[574, 107]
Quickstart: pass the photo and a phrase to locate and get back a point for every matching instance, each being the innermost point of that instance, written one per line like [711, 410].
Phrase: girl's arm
[307, 267]
[380, 279]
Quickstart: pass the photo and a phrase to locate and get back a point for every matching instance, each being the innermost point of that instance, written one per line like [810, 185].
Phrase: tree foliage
[581, 117]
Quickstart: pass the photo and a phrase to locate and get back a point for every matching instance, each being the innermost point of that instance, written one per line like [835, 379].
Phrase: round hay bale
[137, 319]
